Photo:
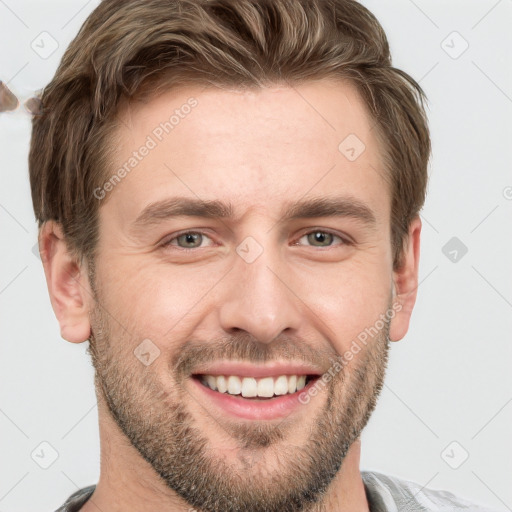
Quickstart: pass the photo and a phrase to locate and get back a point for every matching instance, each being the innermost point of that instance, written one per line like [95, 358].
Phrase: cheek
[155, 300]
[164, 302]
[346, 299]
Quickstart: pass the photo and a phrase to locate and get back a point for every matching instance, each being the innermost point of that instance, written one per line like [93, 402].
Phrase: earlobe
[67, 282]
[405, 283]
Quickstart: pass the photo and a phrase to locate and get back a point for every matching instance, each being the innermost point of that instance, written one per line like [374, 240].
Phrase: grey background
[448, 393]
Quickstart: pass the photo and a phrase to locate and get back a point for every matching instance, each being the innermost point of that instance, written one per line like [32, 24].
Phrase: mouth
[266, 397]
[254, 388]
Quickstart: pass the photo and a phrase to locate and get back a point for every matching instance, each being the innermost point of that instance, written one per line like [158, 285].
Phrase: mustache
[243, 347]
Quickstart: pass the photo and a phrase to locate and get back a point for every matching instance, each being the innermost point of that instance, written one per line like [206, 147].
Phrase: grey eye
[321, 237]
[189, 240]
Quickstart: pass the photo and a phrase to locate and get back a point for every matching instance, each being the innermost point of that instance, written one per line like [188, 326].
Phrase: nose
[259, 299]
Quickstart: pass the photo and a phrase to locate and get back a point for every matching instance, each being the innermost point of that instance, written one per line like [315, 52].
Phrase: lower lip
[253, 409]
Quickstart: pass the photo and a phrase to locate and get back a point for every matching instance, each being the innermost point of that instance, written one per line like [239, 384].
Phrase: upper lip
[257, 371]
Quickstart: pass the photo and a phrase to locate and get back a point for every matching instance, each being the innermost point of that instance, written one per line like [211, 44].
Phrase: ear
[405, 283]
[68, 284]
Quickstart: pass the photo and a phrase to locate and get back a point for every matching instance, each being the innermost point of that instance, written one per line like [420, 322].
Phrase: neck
[128, 482]
[346, 492]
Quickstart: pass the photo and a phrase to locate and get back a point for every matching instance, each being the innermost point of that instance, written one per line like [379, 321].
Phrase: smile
[251, 392]
[250, 387]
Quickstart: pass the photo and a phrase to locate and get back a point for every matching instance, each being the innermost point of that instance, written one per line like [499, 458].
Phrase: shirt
[384, 493]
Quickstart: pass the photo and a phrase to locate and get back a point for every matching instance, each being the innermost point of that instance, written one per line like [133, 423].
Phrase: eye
[320, 238]
[194, 239]
[187, 240]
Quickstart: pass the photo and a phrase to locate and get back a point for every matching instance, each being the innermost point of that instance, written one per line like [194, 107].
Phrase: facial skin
[165, 442]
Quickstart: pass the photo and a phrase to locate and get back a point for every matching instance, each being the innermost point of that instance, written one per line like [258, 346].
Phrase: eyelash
[344, 240]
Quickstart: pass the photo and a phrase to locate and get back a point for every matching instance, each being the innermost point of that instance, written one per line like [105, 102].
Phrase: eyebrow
[158, 211]
[330, 207]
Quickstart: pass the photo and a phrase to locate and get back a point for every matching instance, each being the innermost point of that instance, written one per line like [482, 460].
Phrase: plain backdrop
[445, 415]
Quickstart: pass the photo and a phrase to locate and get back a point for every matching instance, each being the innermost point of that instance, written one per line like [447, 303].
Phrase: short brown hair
[139, 48]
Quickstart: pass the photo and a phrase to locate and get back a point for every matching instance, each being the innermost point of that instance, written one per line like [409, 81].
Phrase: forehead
[254, 148]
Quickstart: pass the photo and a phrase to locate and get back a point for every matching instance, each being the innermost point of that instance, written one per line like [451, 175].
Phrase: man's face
[266, 295]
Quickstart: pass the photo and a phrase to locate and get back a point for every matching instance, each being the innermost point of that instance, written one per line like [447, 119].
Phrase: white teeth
[221, 384]
[281, 385]
[250, 387]
[266, 387]
[212, 382]
[292, 383]
[234, 385]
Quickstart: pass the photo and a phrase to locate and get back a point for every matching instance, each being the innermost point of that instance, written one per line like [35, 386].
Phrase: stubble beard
[159, 425]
